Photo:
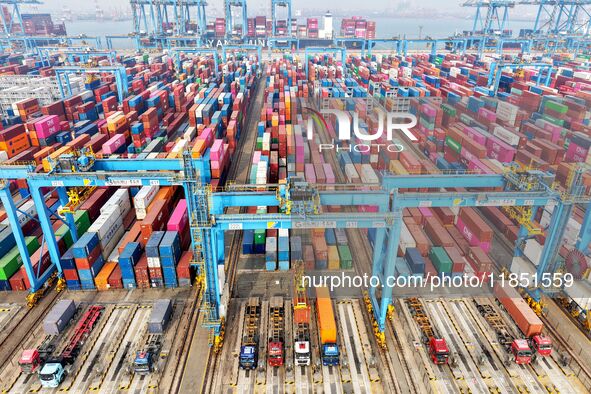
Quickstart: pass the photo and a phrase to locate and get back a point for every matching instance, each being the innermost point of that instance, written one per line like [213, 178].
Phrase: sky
[422, 8]
[256, 4]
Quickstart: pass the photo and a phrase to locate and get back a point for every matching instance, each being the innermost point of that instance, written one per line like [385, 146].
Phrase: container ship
[310, 33]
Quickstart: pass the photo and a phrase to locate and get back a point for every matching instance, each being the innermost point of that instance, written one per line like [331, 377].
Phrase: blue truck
[249, 348]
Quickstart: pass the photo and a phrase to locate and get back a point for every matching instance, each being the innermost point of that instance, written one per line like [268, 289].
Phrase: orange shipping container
[528, 322]
[102, 278]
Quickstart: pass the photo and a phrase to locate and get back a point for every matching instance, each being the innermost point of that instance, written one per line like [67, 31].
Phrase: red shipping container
[155, 220]
[114, 280]
[17, 282]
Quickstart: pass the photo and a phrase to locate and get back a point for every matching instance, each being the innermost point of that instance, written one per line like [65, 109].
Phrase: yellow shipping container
[333, 258]
[397, 168]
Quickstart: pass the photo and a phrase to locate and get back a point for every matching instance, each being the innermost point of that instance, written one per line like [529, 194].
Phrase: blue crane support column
[218, 237]
[377, 262]
[45, 223]
[64, 199]
[11, 213]
[388, 269]
[585, 233]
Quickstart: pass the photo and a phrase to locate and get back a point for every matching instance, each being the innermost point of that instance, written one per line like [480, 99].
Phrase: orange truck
[329, 349]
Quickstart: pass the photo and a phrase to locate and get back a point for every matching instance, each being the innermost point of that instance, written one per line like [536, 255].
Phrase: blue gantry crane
[209, 220]
[491, 15]
[285, 4]
[569, 17]
[62, 74]
[177, 51]
[229, 5]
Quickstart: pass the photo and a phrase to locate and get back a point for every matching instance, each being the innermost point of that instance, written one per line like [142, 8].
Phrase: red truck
[275, 348]
[528, 322]
[438, 351]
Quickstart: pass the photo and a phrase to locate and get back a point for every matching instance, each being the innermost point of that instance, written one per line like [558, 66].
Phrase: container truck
[54, 370]
[329, 349]
[436, 346]
[301, 317]
[54, 324]
[249, 349]
[528, 322]
[146, 358]
[275, 355]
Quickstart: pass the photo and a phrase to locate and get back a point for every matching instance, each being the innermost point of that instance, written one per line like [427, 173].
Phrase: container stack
[88, 259]
[170, 253]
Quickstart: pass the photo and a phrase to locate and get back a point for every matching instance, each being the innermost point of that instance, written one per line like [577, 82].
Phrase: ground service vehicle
[54, 371]
[275, 355]
[329, 349]
[436, 347]
[301, 317]
[146, 359]
[249, 349]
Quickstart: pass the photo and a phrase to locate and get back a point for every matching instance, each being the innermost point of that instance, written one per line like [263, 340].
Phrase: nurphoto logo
[394, 121]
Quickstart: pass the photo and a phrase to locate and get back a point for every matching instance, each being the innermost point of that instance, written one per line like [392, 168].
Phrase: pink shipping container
[328, 173]
[499, 150]
[113, 144]
[179, 218]
[310, 173]
[217, 150]
[47, 126]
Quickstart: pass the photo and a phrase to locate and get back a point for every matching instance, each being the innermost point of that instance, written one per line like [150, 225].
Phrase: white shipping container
[145, 196]
[108, 245]
[283, 232]
[505, 135]
[24, 213]
[119, 199]
[406, 239]
[105, 222]
[114, 256]
[221, 276]
[140, 213]
[154, 262]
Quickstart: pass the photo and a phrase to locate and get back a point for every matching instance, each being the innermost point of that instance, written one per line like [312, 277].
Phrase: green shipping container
[345, 257]
[440, 260]
[448, 109]
[556, 106]
[557, 122]
[453, 144]
[259, 237]
[82, 221]
[12, 261]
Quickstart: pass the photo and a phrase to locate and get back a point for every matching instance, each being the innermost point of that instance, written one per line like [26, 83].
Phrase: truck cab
[542, 345]
[248, 357]
[302, 353]
[521, 351]
[29, 361]
[144, 361]
[52, 374]
[330, 354]
[438, 351]
[275, 356]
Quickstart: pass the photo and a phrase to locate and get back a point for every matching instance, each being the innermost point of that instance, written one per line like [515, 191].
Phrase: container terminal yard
[320, 213]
